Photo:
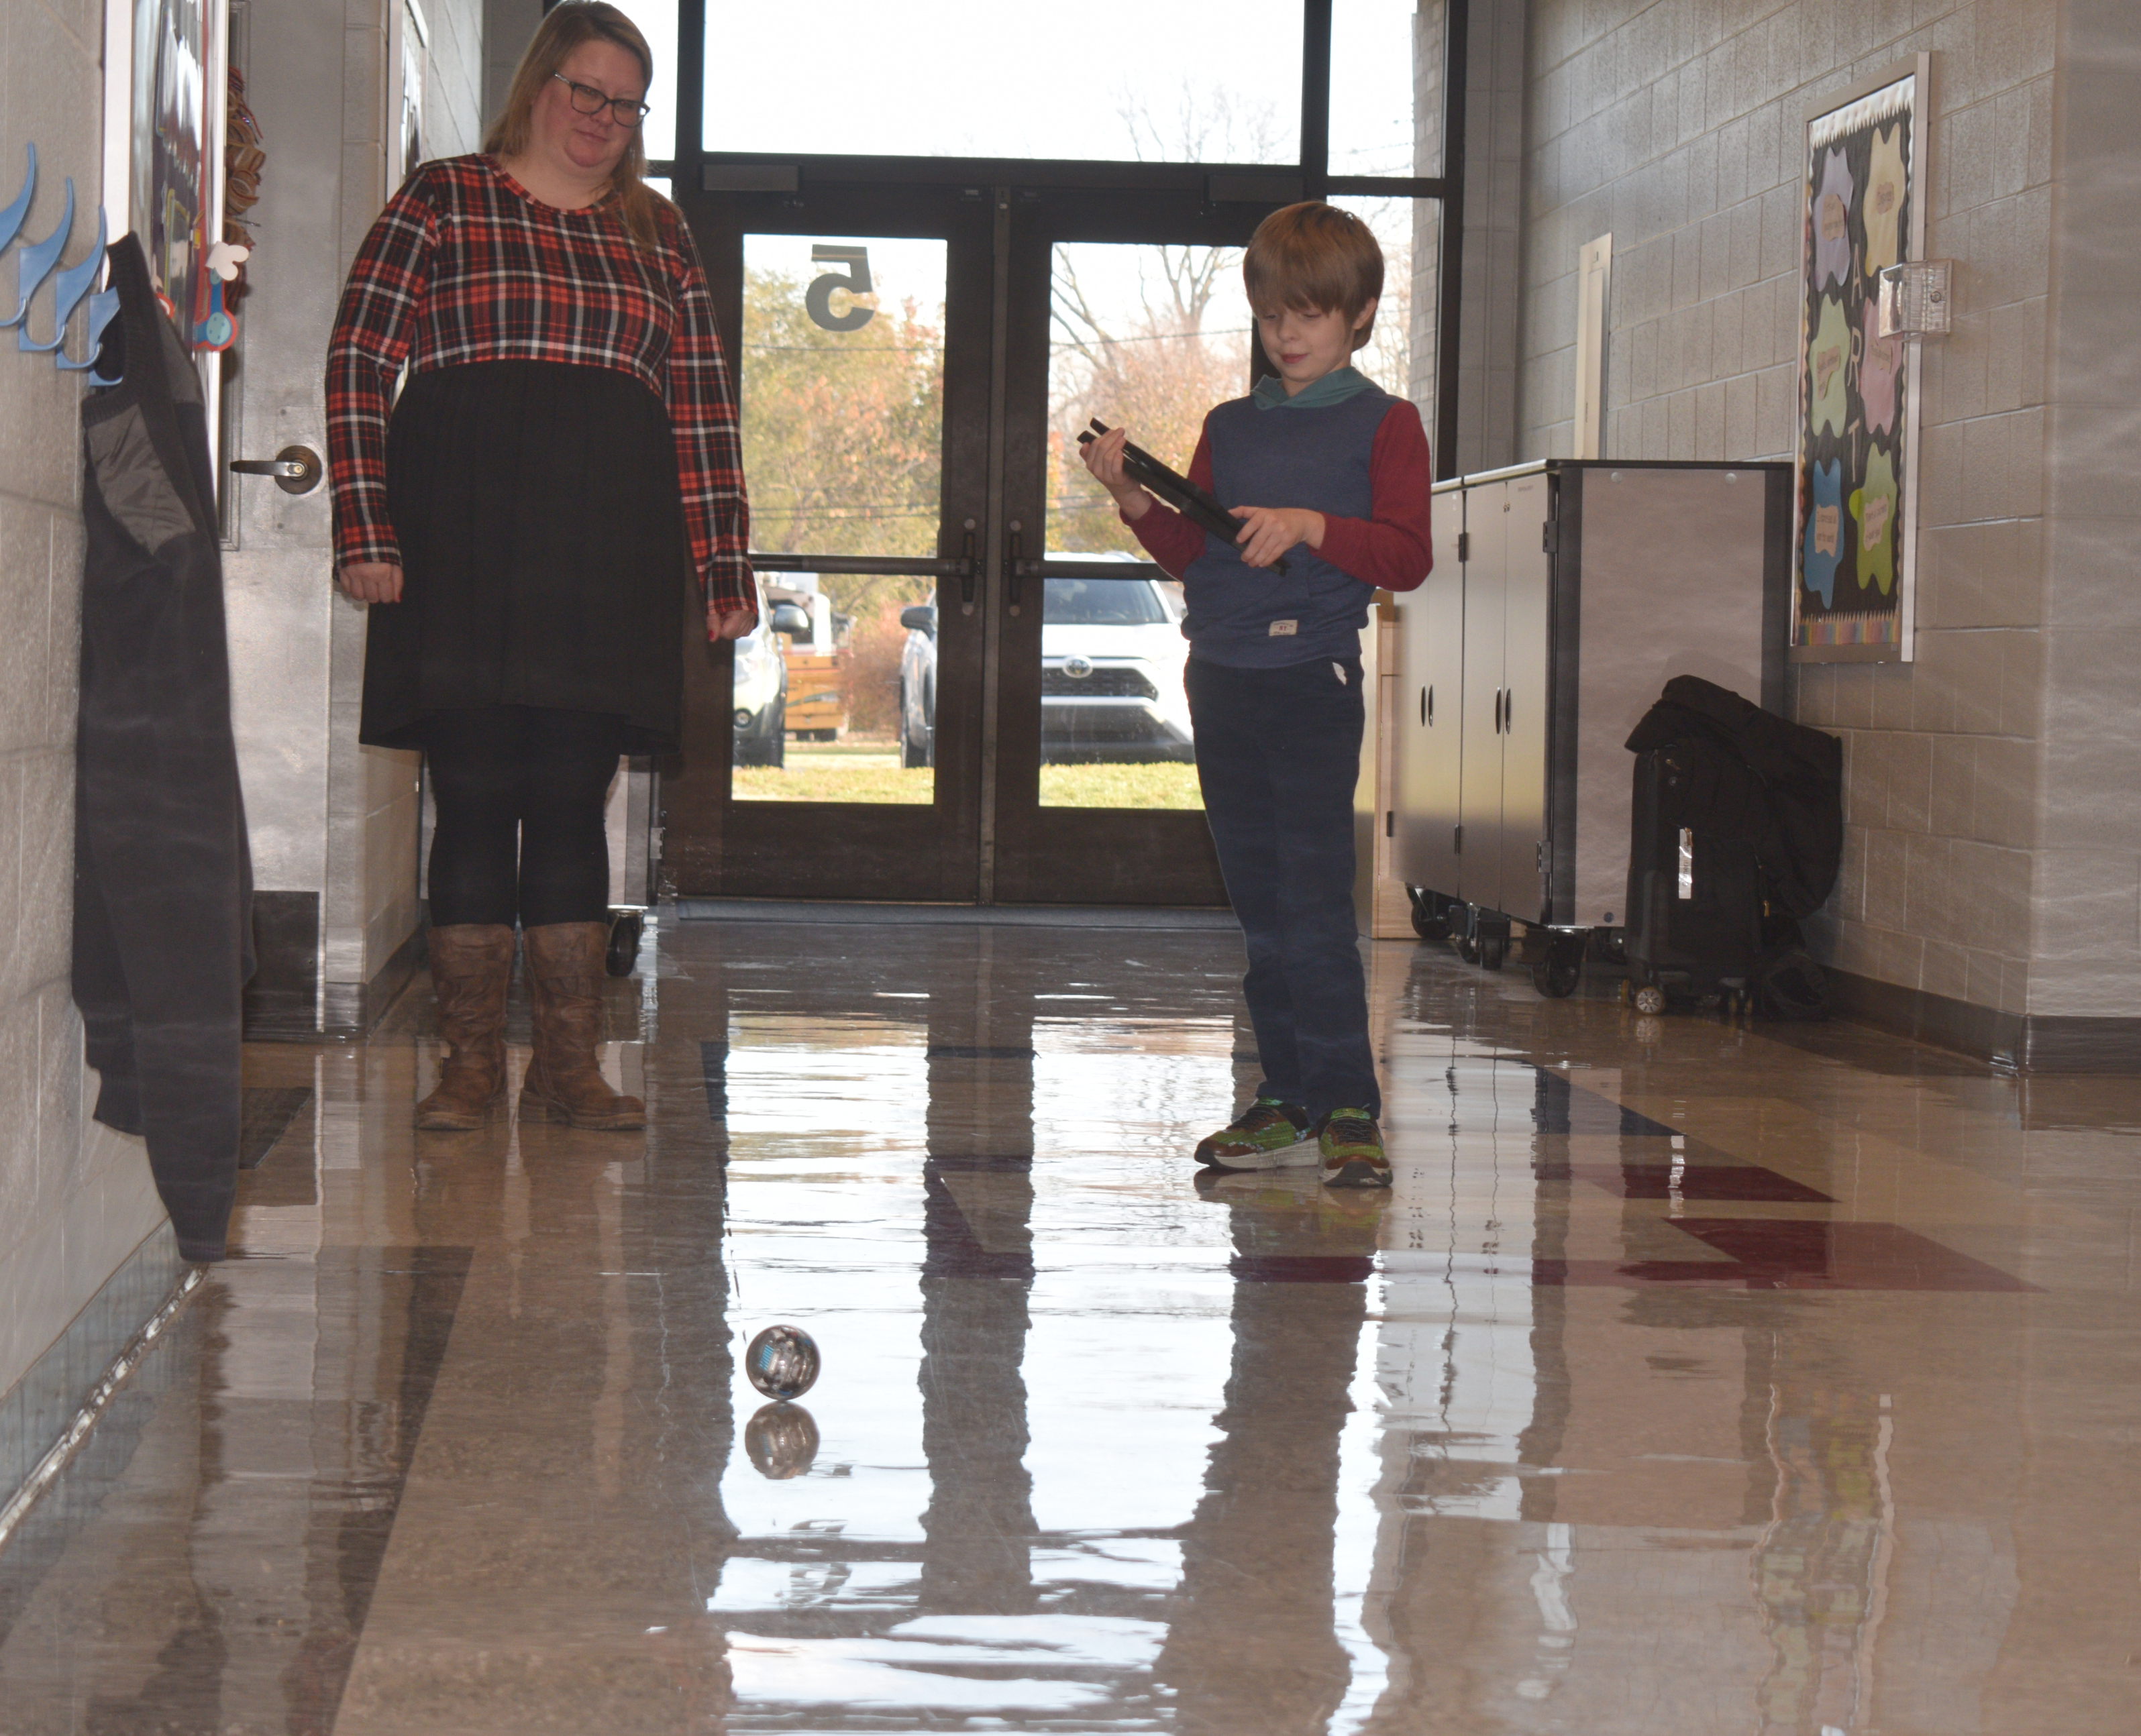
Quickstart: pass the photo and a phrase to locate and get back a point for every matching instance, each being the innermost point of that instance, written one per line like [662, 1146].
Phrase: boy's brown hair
[1314, 257]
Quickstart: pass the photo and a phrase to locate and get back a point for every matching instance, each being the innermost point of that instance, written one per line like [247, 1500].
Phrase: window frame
[1211, 184]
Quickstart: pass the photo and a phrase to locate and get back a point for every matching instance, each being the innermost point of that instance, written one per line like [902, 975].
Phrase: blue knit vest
[1239, 615]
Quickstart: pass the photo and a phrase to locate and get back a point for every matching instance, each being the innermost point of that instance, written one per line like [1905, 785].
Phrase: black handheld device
[1178, 491]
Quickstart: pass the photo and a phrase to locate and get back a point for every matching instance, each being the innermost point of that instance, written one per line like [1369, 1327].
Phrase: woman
[563, 448]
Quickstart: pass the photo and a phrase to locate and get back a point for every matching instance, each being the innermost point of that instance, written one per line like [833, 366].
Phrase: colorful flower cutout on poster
[1831, 223]
[1826, 357]
[1884, 200]
[1823, 541]
[1880, 360]
[1873, 507]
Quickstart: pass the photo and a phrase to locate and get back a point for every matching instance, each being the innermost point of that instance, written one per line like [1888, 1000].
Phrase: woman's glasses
[586, 100]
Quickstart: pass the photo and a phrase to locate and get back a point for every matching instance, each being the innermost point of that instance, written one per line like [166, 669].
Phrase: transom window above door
[1182, 80]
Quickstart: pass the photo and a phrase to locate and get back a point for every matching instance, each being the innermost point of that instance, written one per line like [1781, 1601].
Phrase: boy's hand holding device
[1269, 531]
[1104, 458]
[1133, 476]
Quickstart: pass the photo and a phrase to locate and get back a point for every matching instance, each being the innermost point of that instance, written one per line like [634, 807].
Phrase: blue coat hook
[35, 263]
[68, 288]
[103, 309]
[11, 219]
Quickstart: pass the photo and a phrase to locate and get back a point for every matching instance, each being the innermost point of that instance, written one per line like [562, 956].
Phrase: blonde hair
[567, 27]
[1315, 258]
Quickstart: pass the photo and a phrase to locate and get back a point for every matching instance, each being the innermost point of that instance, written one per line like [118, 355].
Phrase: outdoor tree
[842, 437]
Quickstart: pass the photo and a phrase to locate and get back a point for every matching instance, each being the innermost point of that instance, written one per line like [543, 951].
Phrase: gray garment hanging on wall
[163, 877]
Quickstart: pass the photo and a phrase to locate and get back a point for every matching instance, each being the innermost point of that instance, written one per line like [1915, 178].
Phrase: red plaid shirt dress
[531, 414]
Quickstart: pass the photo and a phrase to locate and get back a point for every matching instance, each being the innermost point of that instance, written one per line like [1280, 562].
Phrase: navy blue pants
[1278, 752]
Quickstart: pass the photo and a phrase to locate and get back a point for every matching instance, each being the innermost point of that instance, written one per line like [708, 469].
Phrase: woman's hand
[1267, 532]
[372, 580]
[734, 623]
[1104, 457]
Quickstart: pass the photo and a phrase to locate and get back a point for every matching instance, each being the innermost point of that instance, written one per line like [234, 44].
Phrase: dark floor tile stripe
[267, 1112]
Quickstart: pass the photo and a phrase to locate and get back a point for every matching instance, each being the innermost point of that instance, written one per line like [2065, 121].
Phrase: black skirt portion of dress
[544, 552]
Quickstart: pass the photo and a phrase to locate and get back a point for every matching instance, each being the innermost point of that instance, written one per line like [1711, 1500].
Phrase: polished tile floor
[1695, 1379]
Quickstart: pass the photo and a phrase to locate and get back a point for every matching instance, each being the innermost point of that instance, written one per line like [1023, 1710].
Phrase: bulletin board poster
[1855, 538]
[176, 143]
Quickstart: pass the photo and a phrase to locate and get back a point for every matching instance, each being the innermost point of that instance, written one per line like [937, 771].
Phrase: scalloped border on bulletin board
[1855, 533]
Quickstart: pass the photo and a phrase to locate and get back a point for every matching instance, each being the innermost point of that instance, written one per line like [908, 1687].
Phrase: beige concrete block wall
[454, 113]
[2086, 892]
[1678, 126]
[373, 818]
[75, 1198]
[507, 26]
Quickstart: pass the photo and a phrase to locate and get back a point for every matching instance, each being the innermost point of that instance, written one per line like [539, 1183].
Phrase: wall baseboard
[38, 1411]
[2029, 1042]
[283, 1001]
[353, 1008]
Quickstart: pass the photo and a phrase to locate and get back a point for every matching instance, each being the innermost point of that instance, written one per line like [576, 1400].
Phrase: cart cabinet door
[1431, 712]
[1479, 797]
[1526, 700]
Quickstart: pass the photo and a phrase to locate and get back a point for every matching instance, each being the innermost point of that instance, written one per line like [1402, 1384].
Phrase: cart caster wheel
[1492, 953]
[1650, 999]
[1556, 975]
[622, 952]
[1468, 949]
[1428, 927]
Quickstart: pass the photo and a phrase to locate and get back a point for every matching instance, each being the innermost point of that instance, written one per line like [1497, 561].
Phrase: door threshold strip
[998, 915]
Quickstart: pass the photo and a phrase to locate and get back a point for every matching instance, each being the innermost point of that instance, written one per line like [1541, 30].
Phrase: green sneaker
[1269, 1134]
[1351, 1146]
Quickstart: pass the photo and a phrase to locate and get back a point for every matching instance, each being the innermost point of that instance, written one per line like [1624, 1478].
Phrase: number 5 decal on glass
[856, 281]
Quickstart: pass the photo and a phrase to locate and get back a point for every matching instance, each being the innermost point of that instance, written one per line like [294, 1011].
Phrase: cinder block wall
[1678, 126]
[75, 1198]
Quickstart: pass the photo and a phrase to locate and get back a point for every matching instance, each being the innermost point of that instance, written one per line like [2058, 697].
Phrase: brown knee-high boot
[565, 987]
[471, 967]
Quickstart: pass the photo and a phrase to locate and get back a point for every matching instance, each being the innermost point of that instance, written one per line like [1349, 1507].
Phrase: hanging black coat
[163, 877]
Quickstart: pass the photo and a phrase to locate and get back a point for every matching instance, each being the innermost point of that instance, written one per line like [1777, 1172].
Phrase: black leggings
[520, 793]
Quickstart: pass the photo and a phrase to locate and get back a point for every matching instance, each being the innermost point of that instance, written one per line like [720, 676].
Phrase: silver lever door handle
[297, 469]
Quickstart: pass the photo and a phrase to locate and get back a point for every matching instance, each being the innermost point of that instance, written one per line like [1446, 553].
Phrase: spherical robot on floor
[782, 1362]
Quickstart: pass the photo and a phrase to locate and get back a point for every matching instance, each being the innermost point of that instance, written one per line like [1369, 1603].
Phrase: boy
[1338, 472]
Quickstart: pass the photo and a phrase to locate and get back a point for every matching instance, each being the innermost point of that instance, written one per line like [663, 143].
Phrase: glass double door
[967, 685]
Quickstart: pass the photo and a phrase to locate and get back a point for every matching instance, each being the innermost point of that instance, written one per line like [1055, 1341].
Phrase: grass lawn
[1167, 785]
[869, 771]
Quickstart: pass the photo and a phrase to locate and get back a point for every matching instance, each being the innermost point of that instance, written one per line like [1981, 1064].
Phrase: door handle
[1508, 710]
[1497, 711]
[297, 469]
[967, 578]
[1427, 707]
[1015, 566]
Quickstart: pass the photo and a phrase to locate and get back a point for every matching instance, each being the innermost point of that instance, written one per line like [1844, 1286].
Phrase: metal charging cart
[1565, 594]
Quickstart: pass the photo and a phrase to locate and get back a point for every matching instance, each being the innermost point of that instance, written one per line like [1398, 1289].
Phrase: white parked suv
[1111, 660]
[759, 683]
